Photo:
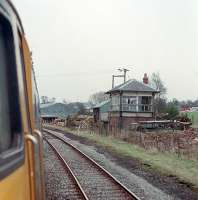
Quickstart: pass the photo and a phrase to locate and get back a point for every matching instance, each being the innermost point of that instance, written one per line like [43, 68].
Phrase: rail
[84, 196]
[99, 167]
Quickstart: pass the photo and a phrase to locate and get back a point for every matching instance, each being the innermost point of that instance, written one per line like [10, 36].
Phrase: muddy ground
[168, 184]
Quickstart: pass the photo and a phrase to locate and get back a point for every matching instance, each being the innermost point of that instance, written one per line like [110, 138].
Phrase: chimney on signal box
[145, 79]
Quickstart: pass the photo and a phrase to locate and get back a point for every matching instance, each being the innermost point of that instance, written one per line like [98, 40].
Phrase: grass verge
[166, 163]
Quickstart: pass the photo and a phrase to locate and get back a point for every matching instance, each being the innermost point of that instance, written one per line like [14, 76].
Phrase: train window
[10, 118]
[5, 128]
[36, 104]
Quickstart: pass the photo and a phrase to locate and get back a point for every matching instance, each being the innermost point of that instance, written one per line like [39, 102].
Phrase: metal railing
[144, 108]
[137, 108]
[132, 108]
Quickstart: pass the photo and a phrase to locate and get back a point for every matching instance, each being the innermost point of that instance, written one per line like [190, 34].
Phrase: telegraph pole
[124, 70]
[113, 78]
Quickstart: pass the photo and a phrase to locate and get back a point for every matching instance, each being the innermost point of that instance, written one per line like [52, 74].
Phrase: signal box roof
[133, 85]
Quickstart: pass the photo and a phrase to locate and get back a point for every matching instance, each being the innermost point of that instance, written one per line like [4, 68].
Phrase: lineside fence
[182, 143]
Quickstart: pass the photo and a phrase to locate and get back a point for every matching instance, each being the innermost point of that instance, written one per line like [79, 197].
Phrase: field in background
[166, 162]
[194, 117]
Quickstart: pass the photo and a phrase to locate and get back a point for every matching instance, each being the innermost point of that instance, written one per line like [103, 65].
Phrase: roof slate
[45, 105]
[101, 104]
[133, 85]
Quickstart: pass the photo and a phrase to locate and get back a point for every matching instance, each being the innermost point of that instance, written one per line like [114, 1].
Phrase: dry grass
[182, 143]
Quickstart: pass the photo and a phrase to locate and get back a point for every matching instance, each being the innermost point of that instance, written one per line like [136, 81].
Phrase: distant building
[88, 107]
[48, 118]
[101, 111]
[184, 108]
[188, 109]
[193, 109]
[130, 102]
[60, 110]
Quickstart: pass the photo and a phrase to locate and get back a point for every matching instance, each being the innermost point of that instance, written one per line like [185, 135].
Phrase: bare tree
[44, 99]
[157, 83]
[53, 100]
[98, 97]
[65, 101]
[160, 102]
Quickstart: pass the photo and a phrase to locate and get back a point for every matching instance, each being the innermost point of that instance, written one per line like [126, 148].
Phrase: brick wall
[115, 123]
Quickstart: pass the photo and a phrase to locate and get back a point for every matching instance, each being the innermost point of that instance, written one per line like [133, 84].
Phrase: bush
[172, 110]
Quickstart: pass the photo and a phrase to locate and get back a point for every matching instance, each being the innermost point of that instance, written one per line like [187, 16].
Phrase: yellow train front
[21, 166]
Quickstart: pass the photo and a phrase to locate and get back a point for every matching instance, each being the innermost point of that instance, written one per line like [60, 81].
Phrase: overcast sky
[78, 44]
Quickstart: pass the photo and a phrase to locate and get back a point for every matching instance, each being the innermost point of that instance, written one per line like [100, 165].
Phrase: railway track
[64, 188]
[92, 180]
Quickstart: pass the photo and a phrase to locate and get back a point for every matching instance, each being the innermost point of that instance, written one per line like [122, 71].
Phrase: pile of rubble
[80, 121]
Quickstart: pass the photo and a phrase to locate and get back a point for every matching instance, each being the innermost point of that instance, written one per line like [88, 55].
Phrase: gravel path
[136, 184]
[59, 185]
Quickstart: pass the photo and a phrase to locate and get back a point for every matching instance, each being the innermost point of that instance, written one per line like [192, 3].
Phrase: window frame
[129, 103]
[115, 103]
[14, 157]
[145, 107]
[129, 100]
